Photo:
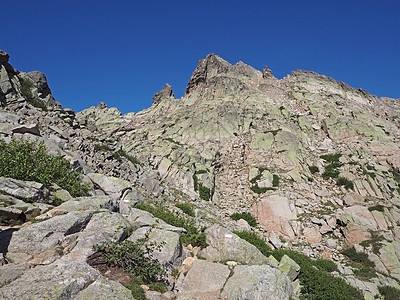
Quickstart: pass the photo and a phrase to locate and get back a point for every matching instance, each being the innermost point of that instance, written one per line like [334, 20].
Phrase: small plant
[204, 192]
[331, 157]
[187, 208]
[331, 171]
[121, 153]
[26, 160]
[358, 257]
[102, 147]
[343, 181]
[374, 241]
[134, 257]
[275, 180]
[313, 169]
[255, 240]
[378, 207]
[245, 216]
[389, 292]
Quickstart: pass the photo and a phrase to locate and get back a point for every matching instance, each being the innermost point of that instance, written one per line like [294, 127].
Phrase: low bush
[343, 181]
[316, 282]
[331, 157]
[313, 169]
[121, 153]
[134, 257]
[245, 216]
[26, 160]
[377, 207]
[194, 236]
[204, 192]
[331, 171]
[275, 180]
[187, 208]
[358, 257]
[389, 292]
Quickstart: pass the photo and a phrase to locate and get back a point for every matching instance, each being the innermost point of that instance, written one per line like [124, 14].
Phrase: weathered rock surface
[105, 289]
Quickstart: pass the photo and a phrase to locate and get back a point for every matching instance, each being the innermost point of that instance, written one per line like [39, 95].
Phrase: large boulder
[258, 282]
[275, 213]
[90, 203]
[170, 255]
[59, 280]
[103, 227]
[39, 237]
[224, 245]
[105, 289]
[31, 190]
[109, 185]
[204, 280]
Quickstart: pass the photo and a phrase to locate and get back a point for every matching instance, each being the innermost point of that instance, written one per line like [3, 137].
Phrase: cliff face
[316, 161]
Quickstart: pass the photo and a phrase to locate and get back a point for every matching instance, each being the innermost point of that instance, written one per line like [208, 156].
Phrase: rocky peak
[267, 73]
[165, 93]
[40, 81]
[4, 57]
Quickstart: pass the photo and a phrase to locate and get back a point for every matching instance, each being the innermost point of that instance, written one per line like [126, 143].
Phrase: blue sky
[123, 52]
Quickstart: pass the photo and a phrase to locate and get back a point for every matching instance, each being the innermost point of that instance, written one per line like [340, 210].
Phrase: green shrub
[121, 153]
[26, 160]
[187, 208]
[134, 257]
[325, 265]
[389, 292]
[316, 282]
[204, 192]
[374, 241]
[255, 240]
[275, 180]
[358, 257]
[194, 236]
[331, 157]
[26, 86]
[258, 190]
[378, 207]
[136, 290]
[313, 169]
[102, 147]
[331, 171]
[343, 181]
[245, 216]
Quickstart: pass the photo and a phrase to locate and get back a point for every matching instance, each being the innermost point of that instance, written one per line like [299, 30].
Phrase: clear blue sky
[123, 52]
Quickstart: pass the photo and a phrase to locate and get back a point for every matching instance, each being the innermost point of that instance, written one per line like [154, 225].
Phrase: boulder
[31, 190]
[59, 280]
[90, 203]
[170, 255]
[39, 237]
[110, 185]
[289, 267]
[27, 128]
[258, 282]
[10, 272]
[225, 245]
[103, 227]
[213, 277]
[105, 289]
[275, 213]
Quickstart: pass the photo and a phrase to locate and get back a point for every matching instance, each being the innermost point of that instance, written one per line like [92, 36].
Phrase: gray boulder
[204, 280]
[90, 203]
[27, 128]
[39, 237]
[10, 272]
[258, 283]
[224, 245]
[31, 190]
[103, 226]
[110, 185]
[170, 255]
[59, 280]
[105, 289]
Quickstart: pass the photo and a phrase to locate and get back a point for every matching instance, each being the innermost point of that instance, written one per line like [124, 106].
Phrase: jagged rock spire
[165, 93]
[4, 57]
[267, 73]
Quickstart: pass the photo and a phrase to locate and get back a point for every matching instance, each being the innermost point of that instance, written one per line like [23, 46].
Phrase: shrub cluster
[194, 236]
[389, 292]
[26, 160]
[245, 216]
[343, 181]
[204, 192]
[316, 281]
[134, 257]
[313, 169]
[187, 208]
[26, 86]
[117, 154]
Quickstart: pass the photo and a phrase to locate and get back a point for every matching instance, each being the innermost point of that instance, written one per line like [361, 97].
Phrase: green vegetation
[275, 180]
[26, 160]
[389, 292]
[316, 281]
[187, 208]
[102, 147]
[313, 169]
[194, 236]
[26, 86]
[204, 192]
[118, 154]
[331, 157]
[134, 257]
[358, 257]
[374, 241]
[377, 207]
[255, 240]
[245, 216]
[343, 181]
[259, 190]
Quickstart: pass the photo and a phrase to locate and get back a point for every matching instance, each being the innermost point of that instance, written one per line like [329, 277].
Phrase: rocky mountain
[313, 160]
